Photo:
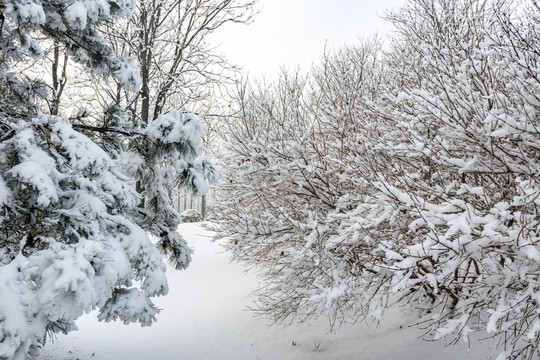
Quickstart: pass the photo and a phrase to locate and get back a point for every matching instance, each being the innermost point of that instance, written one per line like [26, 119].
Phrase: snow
[205, 317]
[176, 126]
[82, 152]
[32, 13]
[127, 73]
[36, 168]
[95, 9]
[76, 14]
[15, 330]
[5, 193]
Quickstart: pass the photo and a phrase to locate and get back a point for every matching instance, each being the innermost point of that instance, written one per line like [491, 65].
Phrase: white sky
[293, 32]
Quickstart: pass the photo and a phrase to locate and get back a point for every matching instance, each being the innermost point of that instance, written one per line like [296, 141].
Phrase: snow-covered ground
[205, 317]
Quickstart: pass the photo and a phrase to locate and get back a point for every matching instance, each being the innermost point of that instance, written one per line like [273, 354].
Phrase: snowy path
[204, 318]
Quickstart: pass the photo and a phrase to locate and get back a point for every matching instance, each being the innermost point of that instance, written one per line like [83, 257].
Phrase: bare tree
[179, 67]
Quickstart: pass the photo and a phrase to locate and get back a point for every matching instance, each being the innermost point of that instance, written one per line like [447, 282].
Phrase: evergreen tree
[72, 234]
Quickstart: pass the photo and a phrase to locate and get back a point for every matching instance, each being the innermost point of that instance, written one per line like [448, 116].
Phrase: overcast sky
[294, 32]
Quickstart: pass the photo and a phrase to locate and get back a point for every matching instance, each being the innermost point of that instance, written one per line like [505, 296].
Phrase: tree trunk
[203, 207]
[58, 80]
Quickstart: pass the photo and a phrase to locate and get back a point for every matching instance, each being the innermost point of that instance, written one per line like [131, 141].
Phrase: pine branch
[106, 129]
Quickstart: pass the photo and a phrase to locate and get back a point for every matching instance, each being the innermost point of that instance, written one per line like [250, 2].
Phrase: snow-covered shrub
[191, 215]
[73, 229]
[465, 166]
[293, 175]
[416, 183]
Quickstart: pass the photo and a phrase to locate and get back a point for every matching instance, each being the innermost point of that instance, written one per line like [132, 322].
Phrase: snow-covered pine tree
[169, 41]
[72, 235]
